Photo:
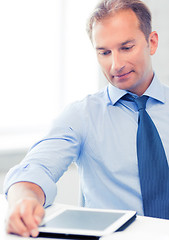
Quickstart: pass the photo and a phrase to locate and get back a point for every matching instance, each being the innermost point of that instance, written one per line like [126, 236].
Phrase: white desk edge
[142, 228]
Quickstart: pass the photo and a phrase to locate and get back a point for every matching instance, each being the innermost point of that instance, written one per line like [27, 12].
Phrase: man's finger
[15, 225]
[27, 210]
[39, 213]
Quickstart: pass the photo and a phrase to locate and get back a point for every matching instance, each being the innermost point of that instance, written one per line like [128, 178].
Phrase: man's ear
[153, 42]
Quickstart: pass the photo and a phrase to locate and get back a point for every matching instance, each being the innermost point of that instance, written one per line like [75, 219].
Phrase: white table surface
[143, 228]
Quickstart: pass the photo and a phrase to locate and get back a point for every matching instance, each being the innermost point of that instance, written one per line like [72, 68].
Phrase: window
[46, 60]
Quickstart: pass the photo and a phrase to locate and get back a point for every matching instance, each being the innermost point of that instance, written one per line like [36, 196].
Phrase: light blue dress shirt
[99, 134]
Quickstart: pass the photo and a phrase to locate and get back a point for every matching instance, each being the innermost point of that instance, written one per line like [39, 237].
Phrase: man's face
[123, 52]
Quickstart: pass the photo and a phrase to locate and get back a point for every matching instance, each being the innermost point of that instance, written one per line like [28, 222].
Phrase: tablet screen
[83, 220]
[86, 222]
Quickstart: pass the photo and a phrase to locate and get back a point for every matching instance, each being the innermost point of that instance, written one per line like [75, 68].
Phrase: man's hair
[107, 8]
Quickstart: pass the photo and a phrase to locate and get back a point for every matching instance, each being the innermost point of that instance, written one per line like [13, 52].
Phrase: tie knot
[141, 102]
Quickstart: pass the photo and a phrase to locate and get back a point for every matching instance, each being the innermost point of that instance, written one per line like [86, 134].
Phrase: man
[99, 132]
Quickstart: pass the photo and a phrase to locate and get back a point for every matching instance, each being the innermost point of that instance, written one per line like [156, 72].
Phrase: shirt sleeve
[49, 158]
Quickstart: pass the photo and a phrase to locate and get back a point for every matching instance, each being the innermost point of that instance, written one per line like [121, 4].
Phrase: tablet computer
[85, 221]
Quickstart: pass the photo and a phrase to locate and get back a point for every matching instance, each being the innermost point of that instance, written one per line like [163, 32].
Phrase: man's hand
[25, 209]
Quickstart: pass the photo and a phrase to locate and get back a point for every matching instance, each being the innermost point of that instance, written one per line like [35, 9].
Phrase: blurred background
[47, 62]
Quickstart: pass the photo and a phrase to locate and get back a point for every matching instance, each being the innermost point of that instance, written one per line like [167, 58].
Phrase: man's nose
[117, 63]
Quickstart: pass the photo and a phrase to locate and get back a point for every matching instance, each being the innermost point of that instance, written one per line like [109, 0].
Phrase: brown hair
[106, 8]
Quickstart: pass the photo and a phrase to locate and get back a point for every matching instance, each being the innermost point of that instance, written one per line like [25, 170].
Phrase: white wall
[160, 17]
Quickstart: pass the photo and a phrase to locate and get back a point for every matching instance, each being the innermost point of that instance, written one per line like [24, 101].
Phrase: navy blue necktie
[152, 164]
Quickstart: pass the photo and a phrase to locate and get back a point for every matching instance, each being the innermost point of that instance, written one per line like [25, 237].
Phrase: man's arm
[26, 210]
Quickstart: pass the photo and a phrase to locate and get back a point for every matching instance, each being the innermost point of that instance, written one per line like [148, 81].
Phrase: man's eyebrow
[101, 48]
[121, 44]
[128, 41]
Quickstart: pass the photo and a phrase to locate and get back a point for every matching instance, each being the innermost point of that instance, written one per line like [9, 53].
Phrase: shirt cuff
[35, 174]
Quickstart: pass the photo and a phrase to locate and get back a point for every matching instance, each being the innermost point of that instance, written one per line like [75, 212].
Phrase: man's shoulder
[166, 87]
[98, 98]
[166, 90]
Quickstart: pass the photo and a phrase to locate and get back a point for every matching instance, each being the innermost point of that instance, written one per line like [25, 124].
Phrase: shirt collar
[155, 90]
[115, 94]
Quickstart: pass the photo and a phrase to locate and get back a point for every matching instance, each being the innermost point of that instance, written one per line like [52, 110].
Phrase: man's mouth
[123, 76]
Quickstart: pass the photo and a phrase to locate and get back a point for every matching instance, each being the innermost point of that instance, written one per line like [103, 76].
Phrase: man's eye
[127, 48]
[105, 53]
